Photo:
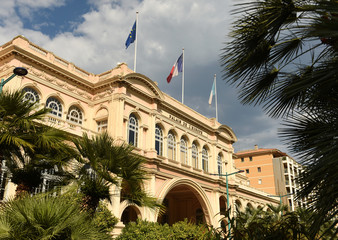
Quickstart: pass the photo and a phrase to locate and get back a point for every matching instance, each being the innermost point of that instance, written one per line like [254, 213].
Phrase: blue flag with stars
[132, 36]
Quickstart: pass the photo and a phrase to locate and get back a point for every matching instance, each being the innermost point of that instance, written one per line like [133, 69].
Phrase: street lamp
[280, 198]
[18, 71]
[227, 188]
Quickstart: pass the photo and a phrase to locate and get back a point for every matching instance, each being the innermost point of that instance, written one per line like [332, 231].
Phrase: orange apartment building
[272, 171]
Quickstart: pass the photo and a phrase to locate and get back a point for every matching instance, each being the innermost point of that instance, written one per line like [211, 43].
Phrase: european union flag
[132, 36]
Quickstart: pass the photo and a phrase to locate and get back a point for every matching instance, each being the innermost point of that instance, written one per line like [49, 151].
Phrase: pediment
[227, 133]
[143, 84]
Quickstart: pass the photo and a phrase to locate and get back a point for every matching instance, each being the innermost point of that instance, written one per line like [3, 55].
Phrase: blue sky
[92, 33]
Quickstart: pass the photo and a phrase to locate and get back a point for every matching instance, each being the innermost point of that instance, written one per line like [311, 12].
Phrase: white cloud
[34, 4]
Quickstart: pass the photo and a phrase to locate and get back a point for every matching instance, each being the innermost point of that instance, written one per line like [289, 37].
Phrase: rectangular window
[171, 153]
[242, 159]
[158, 147]
[259, 181]
[102, 126]
[259, 169]
[250, 158]
[247, 171]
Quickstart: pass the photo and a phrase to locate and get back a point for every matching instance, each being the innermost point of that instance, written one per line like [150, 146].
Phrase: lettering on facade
[185, 124]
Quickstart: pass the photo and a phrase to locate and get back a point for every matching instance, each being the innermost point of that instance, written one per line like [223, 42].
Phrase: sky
[92, 34]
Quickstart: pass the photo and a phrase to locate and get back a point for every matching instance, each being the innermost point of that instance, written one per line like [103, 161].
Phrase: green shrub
[187, 230]
[104, 219]
[184, 230]
[143, 230]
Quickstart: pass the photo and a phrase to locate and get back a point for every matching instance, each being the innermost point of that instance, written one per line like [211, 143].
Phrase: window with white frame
[183, 151]
[74, 115]
[159, 140]
[219, 163]
[132, 130]
[205, 160]
[102, 126]
[55, 106]
[30, 95]
[171, 146]
[194, 155]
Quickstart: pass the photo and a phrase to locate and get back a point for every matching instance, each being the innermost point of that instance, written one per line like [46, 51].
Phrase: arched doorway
[130, 214]
[183, 202]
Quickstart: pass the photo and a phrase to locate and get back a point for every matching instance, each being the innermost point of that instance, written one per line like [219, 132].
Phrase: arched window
[219, 163]
[31, 95]
[75, 115]
[183, 151]
[132, 130]
[159, 140]
[194, 155]
[205, 160]
[55, 105]
[171, 146]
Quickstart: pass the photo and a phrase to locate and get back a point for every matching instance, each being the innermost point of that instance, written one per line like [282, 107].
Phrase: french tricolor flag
[178, 65]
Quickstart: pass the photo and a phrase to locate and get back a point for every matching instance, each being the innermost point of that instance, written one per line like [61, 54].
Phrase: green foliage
[104, 219]
[43, 217]
[28, 146]
[276, 224]
[115, 164]
[283, 55]
[143, 230]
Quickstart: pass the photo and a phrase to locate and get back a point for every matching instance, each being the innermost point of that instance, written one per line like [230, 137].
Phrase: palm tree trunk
[90, 203]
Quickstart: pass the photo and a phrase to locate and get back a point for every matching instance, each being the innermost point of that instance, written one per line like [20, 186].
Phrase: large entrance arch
[184, 199]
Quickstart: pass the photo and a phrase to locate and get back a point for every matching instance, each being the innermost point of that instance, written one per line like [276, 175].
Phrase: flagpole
[136, 27]
[183, 76]
[216, 98]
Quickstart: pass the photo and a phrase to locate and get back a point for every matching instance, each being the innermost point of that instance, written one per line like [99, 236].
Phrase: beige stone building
[271, 171]
[182, 147]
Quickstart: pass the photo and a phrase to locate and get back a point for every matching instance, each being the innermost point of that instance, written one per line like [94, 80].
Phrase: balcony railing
[71, 127]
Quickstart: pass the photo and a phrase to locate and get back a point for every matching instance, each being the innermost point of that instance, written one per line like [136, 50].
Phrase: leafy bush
[187, 230]
[184, 230]
[104, 219]
[143, 230]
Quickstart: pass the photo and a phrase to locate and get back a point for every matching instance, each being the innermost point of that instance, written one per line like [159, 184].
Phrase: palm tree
[109, 164]
[43, 217]
[27, 145]
[284, 55]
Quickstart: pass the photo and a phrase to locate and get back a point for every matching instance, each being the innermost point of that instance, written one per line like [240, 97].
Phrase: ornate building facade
[183, 148]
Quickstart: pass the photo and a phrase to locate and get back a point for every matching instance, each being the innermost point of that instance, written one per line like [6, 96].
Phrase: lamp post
[227, 188]
[18, 71]
[280, 198]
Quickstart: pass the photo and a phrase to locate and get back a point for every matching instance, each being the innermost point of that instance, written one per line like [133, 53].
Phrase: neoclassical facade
[183, 148]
